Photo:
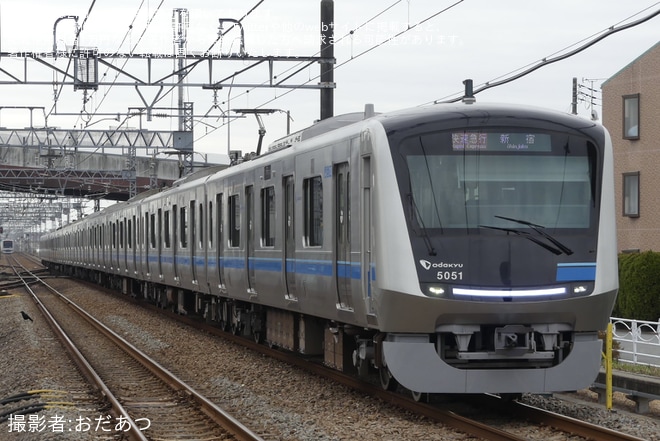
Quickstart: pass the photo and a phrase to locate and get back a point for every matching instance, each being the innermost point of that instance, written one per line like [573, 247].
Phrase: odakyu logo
[434, 265]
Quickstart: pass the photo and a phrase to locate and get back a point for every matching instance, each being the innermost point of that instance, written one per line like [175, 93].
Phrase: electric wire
[408, 29]
[553, 58]
[75, 44]
[127, 117]
[335, 42]
[105, 94]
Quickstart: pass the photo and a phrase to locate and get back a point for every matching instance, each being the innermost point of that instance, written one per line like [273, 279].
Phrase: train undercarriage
[348, 348]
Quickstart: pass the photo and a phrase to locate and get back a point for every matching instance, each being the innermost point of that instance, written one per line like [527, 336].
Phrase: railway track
[146, 401]
[446, 413]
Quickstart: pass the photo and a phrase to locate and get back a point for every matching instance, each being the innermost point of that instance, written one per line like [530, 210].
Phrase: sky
[438, 44]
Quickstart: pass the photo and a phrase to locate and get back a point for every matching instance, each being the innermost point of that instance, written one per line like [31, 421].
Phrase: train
[7, 246]
[453, 248]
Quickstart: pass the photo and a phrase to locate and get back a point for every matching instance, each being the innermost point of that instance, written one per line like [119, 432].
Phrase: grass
[636, 368]
[628, 367]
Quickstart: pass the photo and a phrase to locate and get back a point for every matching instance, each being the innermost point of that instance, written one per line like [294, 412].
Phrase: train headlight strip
[517, 293]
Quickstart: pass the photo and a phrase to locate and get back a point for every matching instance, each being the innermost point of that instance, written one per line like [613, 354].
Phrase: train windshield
[500, 179]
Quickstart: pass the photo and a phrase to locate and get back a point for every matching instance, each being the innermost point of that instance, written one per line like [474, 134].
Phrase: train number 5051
[450, 275]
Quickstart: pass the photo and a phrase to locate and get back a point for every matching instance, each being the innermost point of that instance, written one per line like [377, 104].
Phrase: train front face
[510, 220]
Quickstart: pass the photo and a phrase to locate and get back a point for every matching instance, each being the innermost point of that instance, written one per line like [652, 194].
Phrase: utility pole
[327, 53]
[575, 97]
[180, 21]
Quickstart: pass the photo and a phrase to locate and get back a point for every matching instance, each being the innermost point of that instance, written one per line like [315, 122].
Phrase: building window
[631, 194]
[631, 116]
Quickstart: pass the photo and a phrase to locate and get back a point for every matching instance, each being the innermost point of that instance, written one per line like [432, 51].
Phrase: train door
[115, 245]
[219, 222]
[157, 237]
[124, 242]
[193, 240]
[367, 258]
[132, 242]
[289, 239]
[249, 251]
[174, 243]
[146, 242]
[343, 267]
[104, 244]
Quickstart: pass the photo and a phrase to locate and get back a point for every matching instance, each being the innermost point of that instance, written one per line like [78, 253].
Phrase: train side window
[219, 220]
[268, 216]
[166, 233]
[134, 233]
[200, 229]
[153, 230]
[234, 221]
[313, 207]
[210, 223]
[160, 228]
[184, 227]
[147, 236]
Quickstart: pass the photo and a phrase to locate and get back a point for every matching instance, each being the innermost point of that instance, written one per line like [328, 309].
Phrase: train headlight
[435, 290]
[581, 289]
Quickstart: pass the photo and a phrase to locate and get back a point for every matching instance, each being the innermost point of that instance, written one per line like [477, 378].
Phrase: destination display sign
[501, 142]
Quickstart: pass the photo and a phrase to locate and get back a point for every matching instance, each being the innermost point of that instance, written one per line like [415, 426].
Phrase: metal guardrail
[638, 341]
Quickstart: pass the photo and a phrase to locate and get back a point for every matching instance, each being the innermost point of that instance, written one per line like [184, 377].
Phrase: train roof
[435, 113]
[321, 127]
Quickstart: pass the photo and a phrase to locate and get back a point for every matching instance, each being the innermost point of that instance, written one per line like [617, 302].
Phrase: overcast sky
[480, 39]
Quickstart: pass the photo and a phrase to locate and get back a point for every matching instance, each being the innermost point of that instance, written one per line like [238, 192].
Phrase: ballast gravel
[275, 400]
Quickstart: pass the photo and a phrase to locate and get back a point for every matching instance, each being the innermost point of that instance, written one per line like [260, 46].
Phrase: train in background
[7, 246]
[457, 248]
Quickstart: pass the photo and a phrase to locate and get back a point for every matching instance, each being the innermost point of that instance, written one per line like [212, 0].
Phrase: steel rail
[217, 414]
[117, 410]
[466, 425]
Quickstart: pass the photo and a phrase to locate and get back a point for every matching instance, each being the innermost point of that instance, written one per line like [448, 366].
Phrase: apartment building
[631, 113]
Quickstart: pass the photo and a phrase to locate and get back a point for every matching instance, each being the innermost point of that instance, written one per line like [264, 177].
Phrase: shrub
[639, 286]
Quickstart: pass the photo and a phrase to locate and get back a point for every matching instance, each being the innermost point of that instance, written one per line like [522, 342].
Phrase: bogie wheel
[363, 367]
[420, 397]
[387, 381]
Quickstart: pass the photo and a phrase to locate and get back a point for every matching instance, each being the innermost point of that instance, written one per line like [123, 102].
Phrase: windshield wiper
[420, 222]
[527, 236]
[539, 229]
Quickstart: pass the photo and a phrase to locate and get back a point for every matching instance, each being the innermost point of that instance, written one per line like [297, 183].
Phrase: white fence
[639, 341]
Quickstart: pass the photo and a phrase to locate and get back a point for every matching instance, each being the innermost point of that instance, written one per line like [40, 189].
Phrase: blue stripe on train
[351, 270]
[569, 272]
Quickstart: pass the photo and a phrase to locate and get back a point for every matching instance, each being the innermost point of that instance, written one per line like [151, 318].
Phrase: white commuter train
[458, 248]
[7, 246]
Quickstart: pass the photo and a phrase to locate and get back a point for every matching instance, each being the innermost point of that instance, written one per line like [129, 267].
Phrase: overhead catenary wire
[526, 70]
[126, 118]
[105, 94]
[348, 34]
[75, 44]
[512, 76]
